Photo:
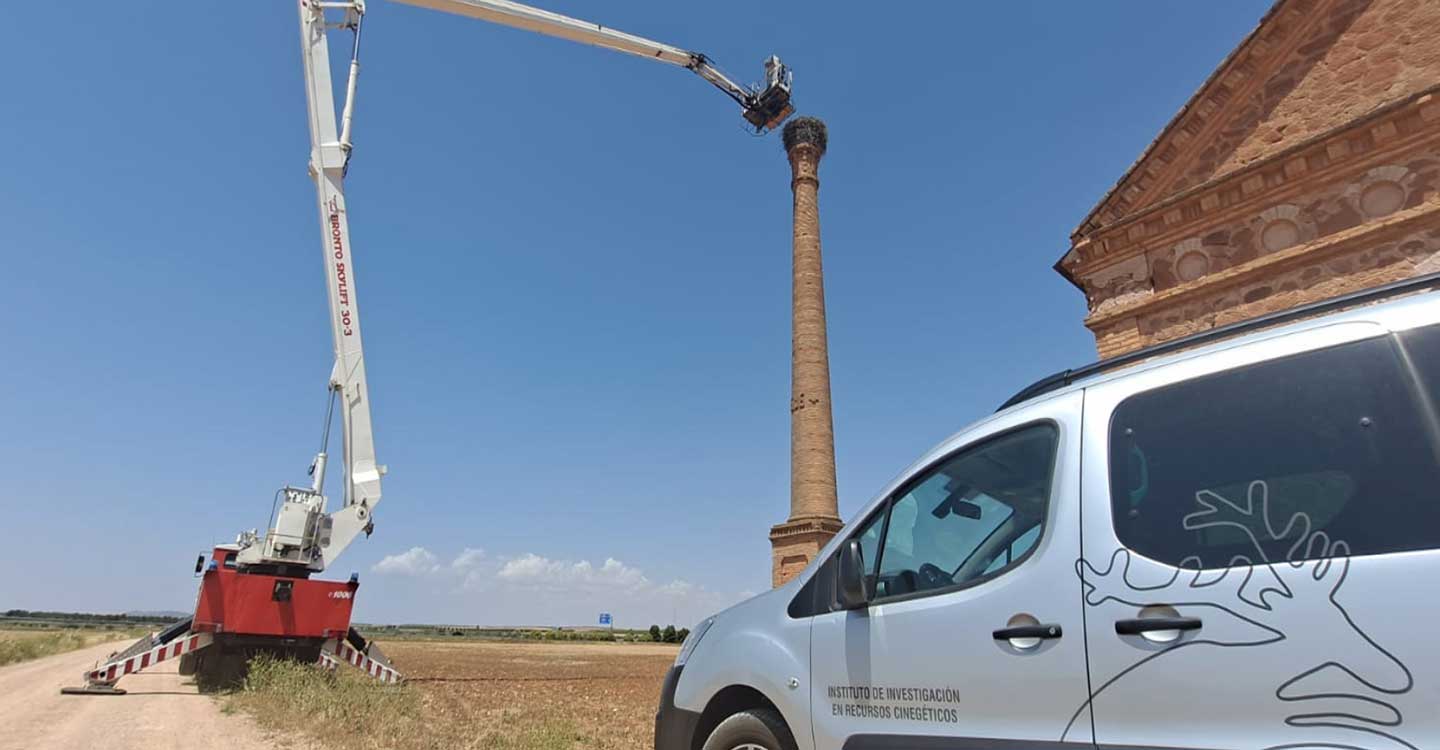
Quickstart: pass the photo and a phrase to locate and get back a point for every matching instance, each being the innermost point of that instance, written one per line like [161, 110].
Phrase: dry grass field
[501, 695]
[25, 644]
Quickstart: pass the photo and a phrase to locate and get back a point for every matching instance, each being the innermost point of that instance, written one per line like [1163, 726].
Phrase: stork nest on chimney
[808, 130]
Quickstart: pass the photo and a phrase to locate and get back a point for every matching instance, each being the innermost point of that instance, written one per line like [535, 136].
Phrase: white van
[1233, 546]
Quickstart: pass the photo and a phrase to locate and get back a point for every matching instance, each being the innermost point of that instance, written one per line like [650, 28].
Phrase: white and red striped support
[109, 673]
[326, 661]
[336, 651]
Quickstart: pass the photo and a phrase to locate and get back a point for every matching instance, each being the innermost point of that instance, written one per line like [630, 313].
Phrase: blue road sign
[605, 618]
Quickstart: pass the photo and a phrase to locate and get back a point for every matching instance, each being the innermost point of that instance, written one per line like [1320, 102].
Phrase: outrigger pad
[95, 690]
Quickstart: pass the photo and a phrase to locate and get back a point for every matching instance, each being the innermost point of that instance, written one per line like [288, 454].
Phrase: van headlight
[692, 640]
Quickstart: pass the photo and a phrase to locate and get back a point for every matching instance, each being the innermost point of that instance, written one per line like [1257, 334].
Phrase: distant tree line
[26, 614]
[669, 634]
[425, 632]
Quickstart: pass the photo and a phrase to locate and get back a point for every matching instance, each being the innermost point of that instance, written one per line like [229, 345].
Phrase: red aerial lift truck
[257, 595]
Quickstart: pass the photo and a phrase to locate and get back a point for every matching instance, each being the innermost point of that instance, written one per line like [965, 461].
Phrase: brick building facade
[1306, 166]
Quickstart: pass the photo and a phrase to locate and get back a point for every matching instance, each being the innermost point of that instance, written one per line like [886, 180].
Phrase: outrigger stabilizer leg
[354, 650]
[363, 655]
[173, 642]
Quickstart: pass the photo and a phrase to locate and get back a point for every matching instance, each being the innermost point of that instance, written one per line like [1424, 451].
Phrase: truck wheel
[218, 668]
[187, 664]
[756, 729]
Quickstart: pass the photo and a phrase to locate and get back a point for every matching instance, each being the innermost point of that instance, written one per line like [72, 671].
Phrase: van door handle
[1142, 625]
[1028, 631]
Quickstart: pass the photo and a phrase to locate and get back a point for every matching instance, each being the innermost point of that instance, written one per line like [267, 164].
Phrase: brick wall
[1355, 57]
[1307, 167]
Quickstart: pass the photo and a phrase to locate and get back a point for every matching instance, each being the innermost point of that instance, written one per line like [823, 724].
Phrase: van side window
[974, 515]
[869, 537]
[1251, 463]
[1421, 349]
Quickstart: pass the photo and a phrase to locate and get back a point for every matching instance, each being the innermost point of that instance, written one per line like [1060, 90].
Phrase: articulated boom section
[302, 532]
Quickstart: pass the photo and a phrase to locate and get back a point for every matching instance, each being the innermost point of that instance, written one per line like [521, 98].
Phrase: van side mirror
[199, 563]
[851, 584]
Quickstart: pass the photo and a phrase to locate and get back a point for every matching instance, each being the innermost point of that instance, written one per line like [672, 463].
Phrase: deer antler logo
[1336, 695]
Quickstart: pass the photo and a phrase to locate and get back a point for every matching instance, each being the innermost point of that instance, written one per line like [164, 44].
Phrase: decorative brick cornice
[1329, 156]
[1391, 228]
[805, 527]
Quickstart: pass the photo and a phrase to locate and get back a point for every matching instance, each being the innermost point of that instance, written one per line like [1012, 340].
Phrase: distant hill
[169, 613]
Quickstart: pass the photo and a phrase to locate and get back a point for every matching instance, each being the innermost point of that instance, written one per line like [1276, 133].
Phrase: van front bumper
[674, 727]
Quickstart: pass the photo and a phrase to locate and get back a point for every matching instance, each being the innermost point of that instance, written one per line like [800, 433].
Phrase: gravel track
[162, 710]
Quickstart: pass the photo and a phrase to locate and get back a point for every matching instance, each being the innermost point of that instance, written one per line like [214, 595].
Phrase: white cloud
[470, 557]
[532, 589]
[574, 592]
[412, 562]
[532, 569]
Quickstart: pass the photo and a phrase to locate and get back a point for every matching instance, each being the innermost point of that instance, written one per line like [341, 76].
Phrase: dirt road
[161, 712]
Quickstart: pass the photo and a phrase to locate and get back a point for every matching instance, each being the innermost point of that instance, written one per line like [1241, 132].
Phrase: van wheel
[756, 729]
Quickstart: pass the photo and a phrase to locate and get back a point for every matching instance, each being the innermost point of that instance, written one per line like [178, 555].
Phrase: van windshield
[971, 516]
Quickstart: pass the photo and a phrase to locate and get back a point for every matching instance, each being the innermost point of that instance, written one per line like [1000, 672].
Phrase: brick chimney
[814, 511]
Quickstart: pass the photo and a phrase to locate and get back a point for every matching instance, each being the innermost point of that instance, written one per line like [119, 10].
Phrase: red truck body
[257, 604]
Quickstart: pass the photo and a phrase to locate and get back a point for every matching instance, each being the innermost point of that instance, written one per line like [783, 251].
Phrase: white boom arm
[302, 534]
[544, 22]
[762, 107]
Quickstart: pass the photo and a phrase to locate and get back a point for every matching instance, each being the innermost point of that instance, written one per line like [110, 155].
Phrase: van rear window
[1250, 463]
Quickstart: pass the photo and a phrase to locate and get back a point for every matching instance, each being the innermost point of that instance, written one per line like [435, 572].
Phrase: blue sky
[574, 269]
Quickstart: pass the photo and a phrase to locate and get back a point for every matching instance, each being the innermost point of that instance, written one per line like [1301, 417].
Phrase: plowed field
[541, 695]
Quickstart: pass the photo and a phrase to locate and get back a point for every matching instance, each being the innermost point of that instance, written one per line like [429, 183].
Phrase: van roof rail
[1374, 294]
